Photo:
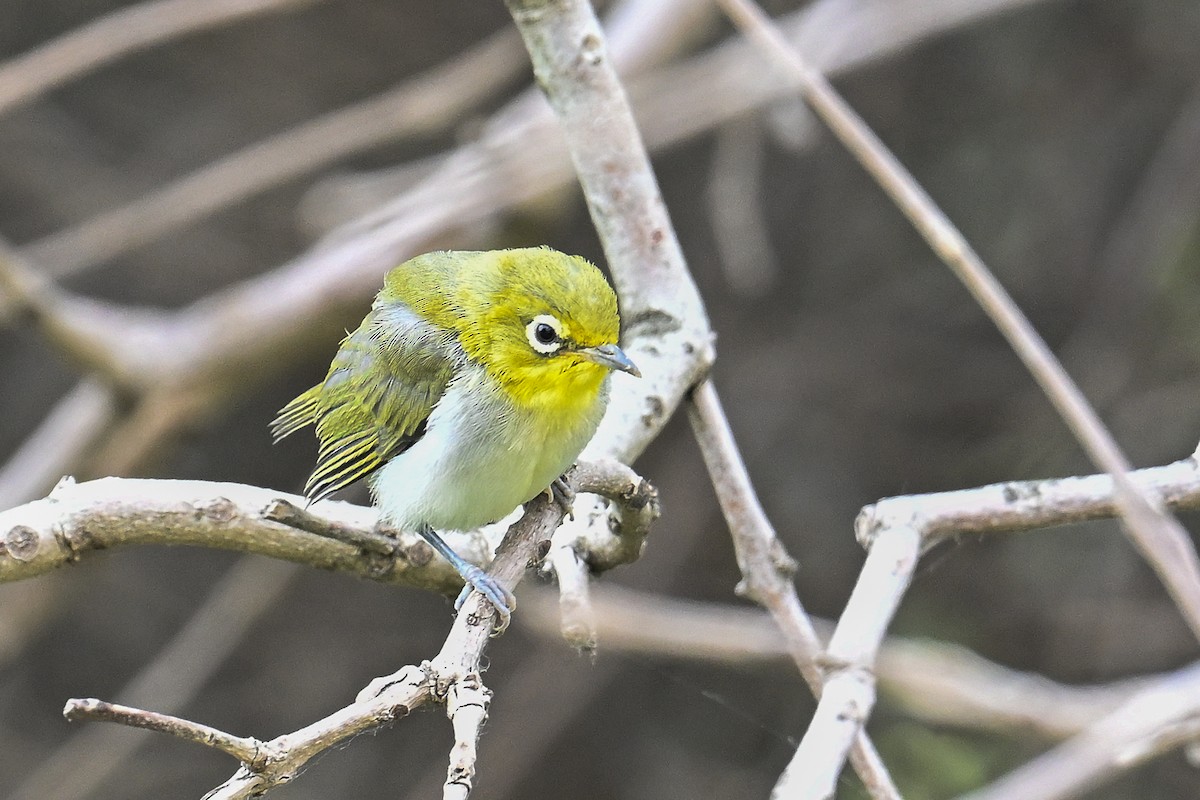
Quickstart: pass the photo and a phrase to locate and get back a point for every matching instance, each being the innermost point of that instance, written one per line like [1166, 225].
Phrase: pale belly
[479, 459]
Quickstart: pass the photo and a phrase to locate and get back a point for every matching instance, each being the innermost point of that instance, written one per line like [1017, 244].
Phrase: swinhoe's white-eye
[473, 383]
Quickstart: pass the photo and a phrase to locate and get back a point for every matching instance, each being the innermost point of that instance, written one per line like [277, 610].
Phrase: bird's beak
[611, 356]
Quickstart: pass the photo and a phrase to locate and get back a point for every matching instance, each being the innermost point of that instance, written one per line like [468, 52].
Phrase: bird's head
[544, 325]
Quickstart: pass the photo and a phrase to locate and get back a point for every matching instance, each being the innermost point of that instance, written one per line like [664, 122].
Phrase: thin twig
[1158, 536]
[120, 33]
[235, 604]
[385, 699]
[243, 749]
[77, 421]
[422, 105]
[467, 707]
[292, 515]
[767, 569]
[576, 619]
[1015, 506]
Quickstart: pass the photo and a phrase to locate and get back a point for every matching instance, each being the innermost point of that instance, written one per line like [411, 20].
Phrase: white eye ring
[544, 333]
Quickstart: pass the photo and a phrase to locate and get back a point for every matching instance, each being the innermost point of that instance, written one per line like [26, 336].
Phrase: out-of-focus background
[1063, 137]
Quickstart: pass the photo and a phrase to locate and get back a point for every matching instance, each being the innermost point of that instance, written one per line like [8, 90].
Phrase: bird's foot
[502, 600]
[560, 491]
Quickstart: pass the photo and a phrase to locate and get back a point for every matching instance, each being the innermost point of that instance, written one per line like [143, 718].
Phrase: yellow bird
[473, 384]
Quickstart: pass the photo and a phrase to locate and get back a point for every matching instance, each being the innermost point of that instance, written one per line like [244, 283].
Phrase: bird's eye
[544, 334]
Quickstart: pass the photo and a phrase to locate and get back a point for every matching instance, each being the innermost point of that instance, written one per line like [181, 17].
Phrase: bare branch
[243, 749]
[943, 683]
[388, 699]
[665, 327]
[294, 516]
[627, 520]
[183, 666]
[467, 706]
[422, 105]
[71, 428]
[849, 691]
[766, 567]
[1158, 536]
[1160, 718]
[284, 756]
[118, 34]
[1015, 506]
[77, 519]
[896, 530]
[576, 619]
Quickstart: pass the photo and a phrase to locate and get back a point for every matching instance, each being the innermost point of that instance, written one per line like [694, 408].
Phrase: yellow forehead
[520, 285]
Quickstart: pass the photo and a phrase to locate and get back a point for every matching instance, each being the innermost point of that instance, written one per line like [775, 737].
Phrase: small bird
[470, 387]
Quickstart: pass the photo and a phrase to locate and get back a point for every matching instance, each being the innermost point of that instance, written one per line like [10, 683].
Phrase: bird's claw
[501, 599]
[561, 492]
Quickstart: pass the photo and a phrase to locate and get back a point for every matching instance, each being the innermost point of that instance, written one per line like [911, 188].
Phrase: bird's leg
[501, 599]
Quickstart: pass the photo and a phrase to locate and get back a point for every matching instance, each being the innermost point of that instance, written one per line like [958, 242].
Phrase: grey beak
[611, 356]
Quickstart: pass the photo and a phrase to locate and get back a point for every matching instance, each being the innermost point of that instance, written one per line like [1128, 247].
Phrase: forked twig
[767, 570]
[1159, 536]
[849, 692]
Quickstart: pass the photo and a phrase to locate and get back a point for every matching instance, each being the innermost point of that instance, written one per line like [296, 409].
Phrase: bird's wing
[360, 424]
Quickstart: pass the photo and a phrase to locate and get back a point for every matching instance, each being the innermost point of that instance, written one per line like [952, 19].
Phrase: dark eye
[544, 333]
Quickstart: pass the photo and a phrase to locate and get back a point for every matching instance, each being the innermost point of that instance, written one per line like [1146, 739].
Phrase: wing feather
[361, 424]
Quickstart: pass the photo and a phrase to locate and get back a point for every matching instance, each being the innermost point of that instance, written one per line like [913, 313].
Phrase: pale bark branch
[849, 691]
[1014, 506]
[1158, 719]
[467, 707]
[945, 684]
[89, 709]
[767, 569]
[79, 519]
[387, 699]
[665, 327]
[896, 530]
[1160, 538]
[234, 605]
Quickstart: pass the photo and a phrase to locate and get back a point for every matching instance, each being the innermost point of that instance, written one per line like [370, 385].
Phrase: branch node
[467, 703]
[410, 676]
[218, 509]
[20, 542]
